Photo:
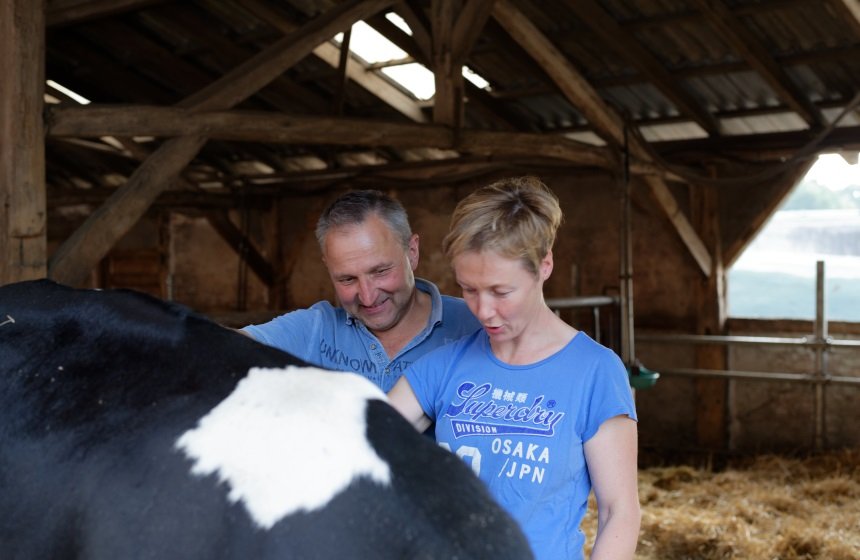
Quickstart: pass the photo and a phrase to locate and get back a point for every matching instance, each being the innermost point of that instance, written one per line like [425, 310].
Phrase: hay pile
[768, 507]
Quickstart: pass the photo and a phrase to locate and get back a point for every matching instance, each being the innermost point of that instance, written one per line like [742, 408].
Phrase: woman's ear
[546, 265]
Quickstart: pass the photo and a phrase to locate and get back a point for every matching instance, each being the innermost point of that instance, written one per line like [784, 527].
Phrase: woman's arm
[403, 399]
[611, 458]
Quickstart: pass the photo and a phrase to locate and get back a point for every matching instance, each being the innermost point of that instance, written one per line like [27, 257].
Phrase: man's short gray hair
[354, 208]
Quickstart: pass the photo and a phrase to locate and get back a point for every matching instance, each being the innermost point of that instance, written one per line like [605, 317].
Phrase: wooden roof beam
[115, 80]
[733, 31]
[261, 126]
[850, 12]
[420, 31]
[468, 27]
[79, 254]
[283, 93]
[66, 12]
[147, 57]
[572, 84]
[251, 76]
[623, 42]
[606, 122]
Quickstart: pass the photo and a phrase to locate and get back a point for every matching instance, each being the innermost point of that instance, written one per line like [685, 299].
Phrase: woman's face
[501, 292]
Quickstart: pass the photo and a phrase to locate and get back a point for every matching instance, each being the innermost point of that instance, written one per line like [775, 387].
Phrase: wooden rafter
[572, 84]
[284, 94]
[606, 122]
[736, 35]
[253, 126]
[467, 29]
[92, 241]
[420, 32]
[251, 76]
[153, 60]
[119, 83]
[850, 10]
[65, 12]
[625, 44]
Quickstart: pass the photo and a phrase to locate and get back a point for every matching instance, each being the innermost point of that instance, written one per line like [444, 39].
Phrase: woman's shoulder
[449, 351]
[587, 348]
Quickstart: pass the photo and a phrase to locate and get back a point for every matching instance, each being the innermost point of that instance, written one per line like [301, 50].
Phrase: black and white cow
[134, 428]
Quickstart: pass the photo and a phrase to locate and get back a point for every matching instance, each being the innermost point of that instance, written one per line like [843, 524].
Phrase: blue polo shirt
[329, 337]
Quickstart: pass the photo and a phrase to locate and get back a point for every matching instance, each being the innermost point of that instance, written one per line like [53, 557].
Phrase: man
[387, 318]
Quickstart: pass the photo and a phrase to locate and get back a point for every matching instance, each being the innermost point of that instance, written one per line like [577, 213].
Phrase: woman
[541, 412]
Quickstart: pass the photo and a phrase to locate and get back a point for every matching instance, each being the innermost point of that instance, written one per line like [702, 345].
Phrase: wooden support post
[711, 394]
[448, 100]
[23, 245]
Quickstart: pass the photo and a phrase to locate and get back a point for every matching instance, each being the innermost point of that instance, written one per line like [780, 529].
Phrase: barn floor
[766, 507]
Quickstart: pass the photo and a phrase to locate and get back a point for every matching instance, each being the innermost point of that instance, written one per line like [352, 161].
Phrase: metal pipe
[583, 301]
[807, 342]
[842, 343]
[810, 378]
[820, 354]
[727, 339]
[628, 351]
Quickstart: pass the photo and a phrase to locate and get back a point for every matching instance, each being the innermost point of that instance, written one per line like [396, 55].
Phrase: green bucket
[641, 377]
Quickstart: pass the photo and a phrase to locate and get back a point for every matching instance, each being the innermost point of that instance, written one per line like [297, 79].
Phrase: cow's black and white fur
[134, 428]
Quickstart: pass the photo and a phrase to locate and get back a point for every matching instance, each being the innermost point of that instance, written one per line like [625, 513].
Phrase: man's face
[372, 272]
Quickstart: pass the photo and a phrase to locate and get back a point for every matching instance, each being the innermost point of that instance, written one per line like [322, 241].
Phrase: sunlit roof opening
[399, 22]
[66, 91]
[818, 221]
[475, 78]
[374, 49]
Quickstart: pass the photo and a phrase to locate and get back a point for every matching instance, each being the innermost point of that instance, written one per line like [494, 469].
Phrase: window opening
[374, 49]
[820, 220]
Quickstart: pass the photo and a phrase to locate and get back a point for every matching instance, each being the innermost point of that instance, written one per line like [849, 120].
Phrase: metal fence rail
[819, 343]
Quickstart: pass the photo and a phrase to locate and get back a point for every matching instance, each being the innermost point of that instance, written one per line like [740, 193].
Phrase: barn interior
[187, 148]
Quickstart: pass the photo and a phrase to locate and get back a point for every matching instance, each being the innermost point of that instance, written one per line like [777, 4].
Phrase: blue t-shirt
[522, 427]
[329, 337]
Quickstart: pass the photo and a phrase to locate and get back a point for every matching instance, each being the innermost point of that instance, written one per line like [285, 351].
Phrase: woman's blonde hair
[517, 217]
